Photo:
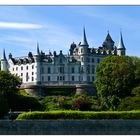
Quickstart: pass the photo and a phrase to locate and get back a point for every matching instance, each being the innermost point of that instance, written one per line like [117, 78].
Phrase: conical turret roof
[38, 51]
[121, 44]
[108, 38]
[4, 56]
[84, 39]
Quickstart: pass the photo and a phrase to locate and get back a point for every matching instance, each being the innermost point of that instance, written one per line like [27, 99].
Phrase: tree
[115, 78]
[3, 106]
[9, 83]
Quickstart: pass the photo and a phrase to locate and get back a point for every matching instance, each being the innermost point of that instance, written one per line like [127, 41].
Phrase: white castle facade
[78, 67]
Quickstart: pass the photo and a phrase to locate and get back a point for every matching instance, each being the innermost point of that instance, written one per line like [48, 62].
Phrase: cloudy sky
[56, 27]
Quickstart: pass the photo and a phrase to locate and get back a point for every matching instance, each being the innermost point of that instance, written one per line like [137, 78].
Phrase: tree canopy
[115, 78]
[9, 83]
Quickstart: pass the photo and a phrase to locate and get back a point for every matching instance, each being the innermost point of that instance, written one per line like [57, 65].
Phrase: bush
[23, 92]
[129, 103]
[136, 91]
[82, 115]
[82, 102]
[56, 103]
[23, 103]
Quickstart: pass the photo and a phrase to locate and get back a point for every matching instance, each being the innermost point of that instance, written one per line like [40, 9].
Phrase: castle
[77, 67]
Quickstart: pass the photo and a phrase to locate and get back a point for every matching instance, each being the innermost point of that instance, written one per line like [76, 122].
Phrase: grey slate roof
[84, 39]
[121, 44]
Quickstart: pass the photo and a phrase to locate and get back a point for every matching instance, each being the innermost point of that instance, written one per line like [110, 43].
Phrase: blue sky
[56, 27]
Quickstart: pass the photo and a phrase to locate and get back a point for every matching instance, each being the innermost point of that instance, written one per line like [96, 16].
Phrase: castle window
[60, 60]
[92, 60]
[42, 70]
[49, 70]
[72, 70]
[21, 74]
[92, 78]
[88, 69]
[61, 70]
[88, 78]
[88, 60]
[93, 69]
[16, 68]
[81, 50]
[98, 60]
[13, 69]
[63, 78]
[49, 78]
[32, 78]
[79, 69]
[32, 66]
[32, 73]
[27, 77]
[57, 78]
[21, 68]
[72, 78]
[26, 67]
[43, 78]
[60, 78]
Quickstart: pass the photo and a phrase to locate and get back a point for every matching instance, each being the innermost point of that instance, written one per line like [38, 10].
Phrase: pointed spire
[121, 44]
[84, 39]
[4, 56]
[108, 37]
[38, 52]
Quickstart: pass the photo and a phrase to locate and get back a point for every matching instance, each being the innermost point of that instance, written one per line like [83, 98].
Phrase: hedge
[82, 115]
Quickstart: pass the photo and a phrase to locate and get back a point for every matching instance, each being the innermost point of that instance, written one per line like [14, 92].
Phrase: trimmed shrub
[130, 103]
[82, 115]
[23, 92]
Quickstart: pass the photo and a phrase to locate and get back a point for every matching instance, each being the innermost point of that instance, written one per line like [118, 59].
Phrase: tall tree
[115, 78]
[9, 85]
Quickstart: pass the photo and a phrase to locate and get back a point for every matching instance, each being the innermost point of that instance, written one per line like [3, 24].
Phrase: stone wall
[67, 90]
[70, 127]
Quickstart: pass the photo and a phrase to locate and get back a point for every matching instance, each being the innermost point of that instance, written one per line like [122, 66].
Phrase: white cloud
[18, 25]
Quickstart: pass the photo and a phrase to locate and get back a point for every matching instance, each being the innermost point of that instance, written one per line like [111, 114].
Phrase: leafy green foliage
[23, 92]
[23, 103]
[115, 78]
[9, 83]
[56, 103]
[3, 106]
[129, 103]
[136, 91]
[82, 102]
[82, 115]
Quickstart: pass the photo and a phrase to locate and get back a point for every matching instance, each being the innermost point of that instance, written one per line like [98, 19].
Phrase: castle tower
[38, 64]
[4, 63]
[121, 48]
[108, 43]
[84, 44]
[83, 49]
